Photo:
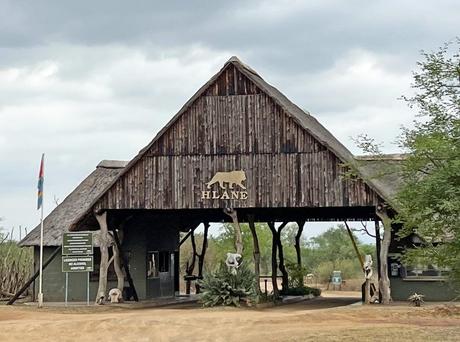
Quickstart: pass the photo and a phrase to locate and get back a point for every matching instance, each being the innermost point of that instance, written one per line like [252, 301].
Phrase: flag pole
[40, 279]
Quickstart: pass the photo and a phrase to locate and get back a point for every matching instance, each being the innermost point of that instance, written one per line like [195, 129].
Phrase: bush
[301, 291]
[296, 275]
[223, 288]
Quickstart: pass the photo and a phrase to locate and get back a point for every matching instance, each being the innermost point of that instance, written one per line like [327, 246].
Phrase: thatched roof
[74, 205]
[384, 171]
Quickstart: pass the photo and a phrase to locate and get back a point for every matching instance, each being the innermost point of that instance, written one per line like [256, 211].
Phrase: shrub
[296, 275]
[223, 288]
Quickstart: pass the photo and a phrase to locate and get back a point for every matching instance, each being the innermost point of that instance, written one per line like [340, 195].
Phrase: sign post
[77, 256]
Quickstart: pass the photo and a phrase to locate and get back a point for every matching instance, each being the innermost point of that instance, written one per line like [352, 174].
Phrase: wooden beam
[354, 245]
[187, 236]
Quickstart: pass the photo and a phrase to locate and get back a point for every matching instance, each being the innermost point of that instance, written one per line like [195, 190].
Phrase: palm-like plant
[224, 288]
[416, 299]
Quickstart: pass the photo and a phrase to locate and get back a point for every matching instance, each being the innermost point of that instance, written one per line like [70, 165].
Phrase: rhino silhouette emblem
[231, 178]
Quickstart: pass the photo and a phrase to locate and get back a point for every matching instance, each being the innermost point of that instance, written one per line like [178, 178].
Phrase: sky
[84, 80]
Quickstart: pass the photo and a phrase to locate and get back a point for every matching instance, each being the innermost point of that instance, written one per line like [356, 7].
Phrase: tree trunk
[190, 266]
[297, 243]
[256, 252]
[378, 250]
[236, 225]
[117, 266]
[104, 265]
[282, 267]
[271, 225]
[202, 255]
[384, 283]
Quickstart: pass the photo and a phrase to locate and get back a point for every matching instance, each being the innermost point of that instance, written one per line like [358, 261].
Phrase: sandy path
[313, 320]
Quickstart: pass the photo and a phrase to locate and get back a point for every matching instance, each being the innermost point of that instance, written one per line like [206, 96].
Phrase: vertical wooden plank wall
[235, 126]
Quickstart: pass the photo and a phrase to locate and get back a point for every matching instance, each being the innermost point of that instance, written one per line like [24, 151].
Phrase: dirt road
[321, 319]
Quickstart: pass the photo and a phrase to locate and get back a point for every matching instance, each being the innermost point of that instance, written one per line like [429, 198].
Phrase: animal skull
[115, 296]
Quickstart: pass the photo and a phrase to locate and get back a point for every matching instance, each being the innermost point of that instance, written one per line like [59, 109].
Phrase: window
[157, 262]
[424, 271]
[164, 262]
[152, 265]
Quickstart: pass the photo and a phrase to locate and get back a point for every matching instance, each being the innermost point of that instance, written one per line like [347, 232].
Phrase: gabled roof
[74, 205]
[304, 119]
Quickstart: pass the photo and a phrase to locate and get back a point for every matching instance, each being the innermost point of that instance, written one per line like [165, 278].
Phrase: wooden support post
[281, 265]
[35, 275]
[117, 261]
[256, 252]
[384, 283]
[201, 256]
[378, 251]
[271, 225]
[236, 225]
[378, 245]
[300, 225]
[125, 266]
[279, 246]
[104, 265]
[190, 265]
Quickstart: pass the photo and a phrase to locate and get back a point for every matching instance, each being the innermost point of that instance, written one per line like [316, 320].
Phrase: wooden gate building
[237, 143]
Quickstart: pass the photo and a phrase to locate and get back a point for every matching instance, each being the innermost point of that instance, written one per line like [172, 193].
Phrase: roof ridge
[112, 164]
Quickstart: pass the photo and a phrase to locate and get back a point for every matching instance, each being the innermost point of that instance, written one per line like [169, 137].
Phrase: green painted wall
[433, 290]
[54, 281]
[137, 240]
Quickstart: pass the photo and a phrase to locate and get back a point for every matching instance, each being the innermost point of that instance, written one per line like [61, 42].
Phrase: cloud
[85, 81]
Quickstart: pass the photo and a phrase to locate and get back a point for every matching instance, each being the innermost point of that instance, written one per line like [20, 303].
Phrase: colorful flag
[41, 178]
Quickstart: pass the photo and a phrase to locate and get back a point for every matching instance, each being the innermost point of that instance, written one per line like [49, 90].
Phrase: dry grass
[15, 266]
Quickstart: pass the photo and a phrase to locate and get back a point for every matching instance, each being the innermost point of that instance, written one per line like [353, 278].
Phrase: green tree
[429, 202]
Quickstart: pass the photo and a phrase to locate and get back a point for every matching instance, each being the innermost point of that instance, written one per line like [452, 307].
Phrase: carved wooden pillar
[236, 225]
[104, 264]
[384, 282]
[256, 252]
[300, 225]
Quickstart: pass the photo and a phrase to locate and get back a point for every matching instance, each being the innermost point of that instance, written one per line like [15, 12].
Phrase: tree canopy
[331, 250]
[428, 202]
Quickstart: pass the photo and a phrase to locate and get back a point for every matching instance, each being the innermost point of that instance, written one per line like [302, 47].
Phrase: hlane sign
[81, 263]
[78, 243]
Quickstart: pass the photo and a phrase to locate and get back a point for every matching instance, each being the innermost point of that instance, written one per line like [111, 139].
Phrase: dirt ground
[329, 318]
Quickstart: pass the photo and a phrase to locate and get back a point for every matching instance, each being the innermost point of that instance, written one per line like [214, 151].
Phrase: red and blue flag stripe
[41, 178]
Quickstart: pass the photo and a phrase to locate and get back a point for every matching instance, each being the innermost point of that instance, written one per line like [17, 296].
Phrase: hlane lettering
[226, 183]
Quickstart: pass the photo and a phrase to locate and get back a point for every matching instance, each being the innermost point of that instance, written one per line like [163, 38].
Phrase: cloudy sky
[84, 81]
